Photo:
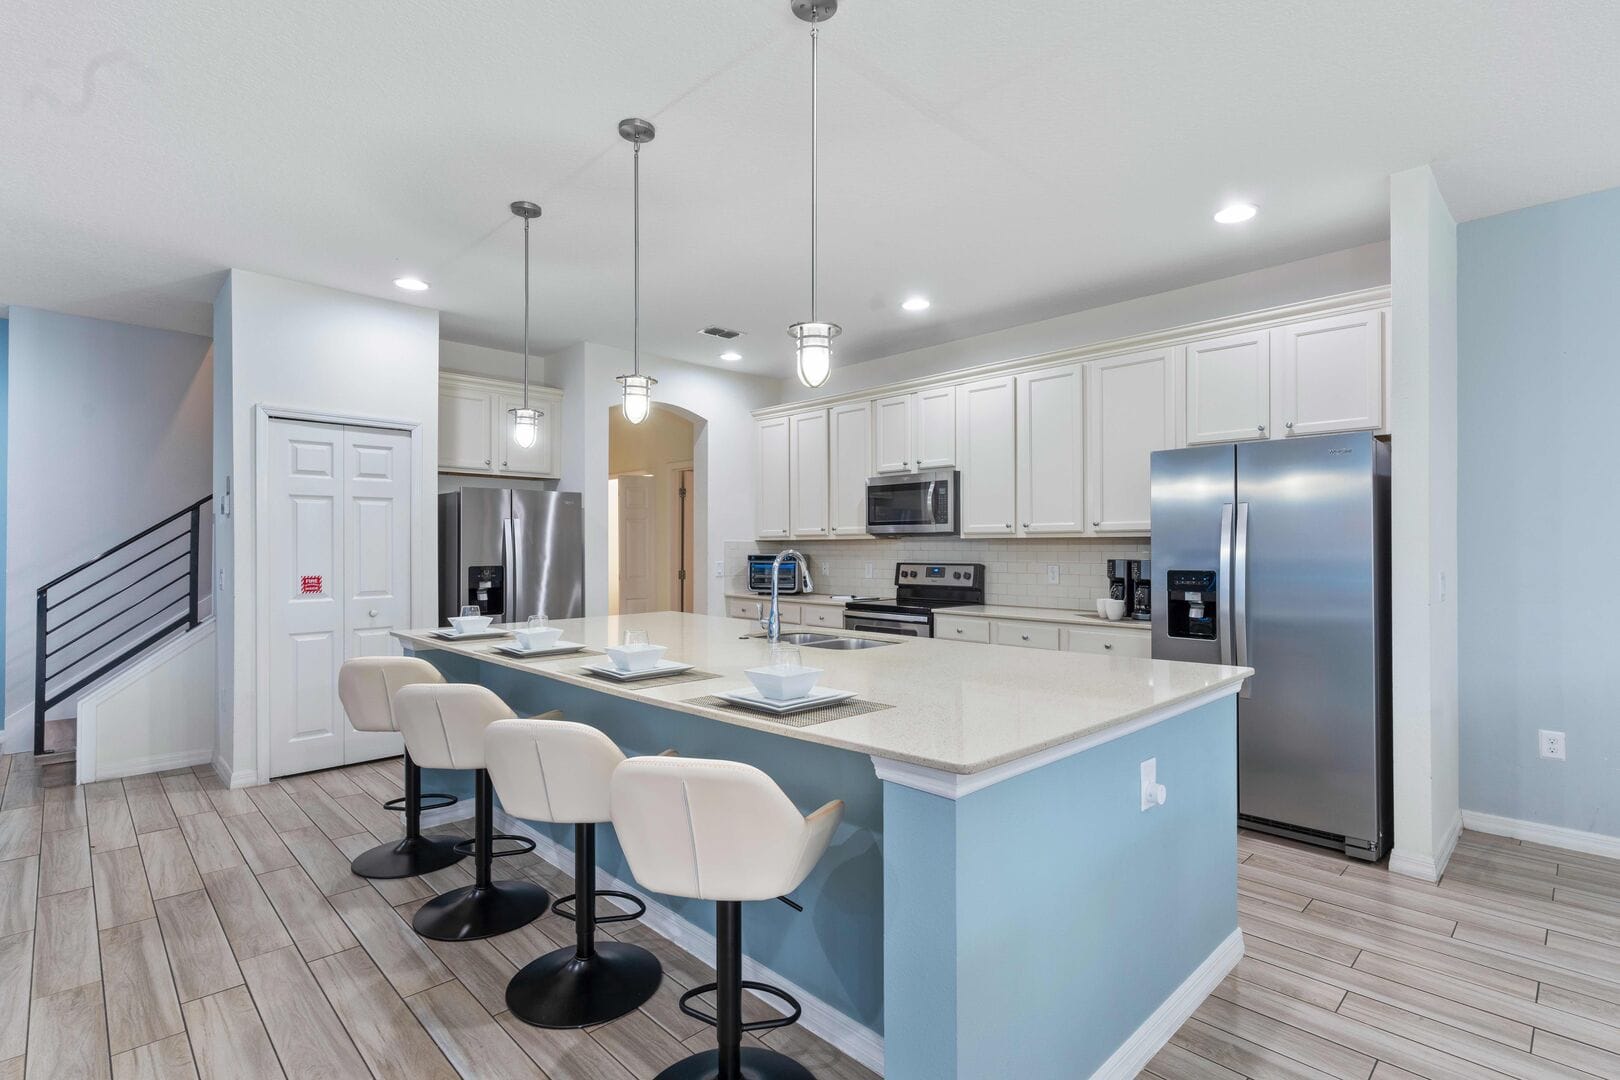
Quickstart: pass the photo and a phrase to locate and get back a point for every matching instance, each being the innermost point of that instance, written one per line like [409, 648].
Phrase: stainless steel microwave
[907, 504]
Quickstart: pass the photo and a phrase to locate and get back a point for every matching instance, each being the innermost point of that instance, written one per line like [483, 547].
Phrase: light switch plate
[1053, 575]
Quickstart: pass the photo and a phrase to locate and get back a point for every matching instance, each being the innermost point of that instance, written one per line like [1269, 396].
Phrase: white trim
[1343, 303]
[156, 763]
[949, 785]
[1535, 832]
[86, 769]
[239, 779]
[852, 1038]
[263, 415]
[1424, 867]
[1135, 1052]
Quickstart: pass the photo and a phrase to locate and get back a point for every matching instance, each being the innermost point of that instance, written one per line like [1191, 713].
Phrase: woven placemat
[810, 717]
[663, 680]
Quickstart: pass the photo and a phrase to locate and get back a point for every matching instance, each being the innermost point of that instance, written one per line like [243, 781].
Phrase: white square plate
[663, 667]
[446, 634]
[561, 648]
[819, 698]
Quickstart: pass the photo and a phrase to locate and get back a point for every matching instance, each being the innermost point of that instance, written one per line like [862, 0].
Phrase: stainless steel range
[920, 589]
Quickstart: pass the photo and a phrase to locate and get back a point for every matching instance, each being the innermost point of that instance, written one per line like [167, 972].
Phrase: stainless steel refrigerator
[513, 552]
[1275, 555]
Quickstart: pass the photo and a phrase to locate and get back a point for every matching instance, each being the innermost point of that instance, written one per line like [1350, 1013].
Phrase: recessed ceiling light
[916, 303]
[1234, 213]
[731, 357]
[411, 284]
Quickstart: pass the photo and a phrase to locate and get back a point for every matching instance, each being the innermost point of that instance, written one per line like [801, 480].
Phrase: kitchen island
[997, 902]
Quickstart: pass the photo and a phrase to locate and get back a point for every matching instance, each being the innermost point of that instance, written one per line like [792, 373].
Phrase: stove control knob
[957, 575]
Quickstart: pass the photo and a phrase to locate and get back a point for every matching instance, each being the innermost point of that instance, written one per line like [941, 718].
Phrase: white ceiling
[1012, 159]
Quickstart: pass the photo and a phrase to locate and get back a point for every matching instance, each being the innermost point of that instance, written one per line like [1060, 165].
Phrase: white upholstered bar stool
[720, 831]
[366, 687]
[444, 729]
[556, 771]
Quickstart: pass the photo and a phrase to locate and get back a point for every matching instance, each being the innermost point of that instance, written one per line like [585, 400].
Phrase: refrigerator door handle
[509, 560]
[1240, 592]
[1223, 629]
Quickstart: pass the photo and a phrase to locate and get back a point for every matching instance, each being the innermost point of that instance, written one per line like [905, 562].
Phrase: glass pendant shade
[525, 426]
[637, 396]
[813, 350]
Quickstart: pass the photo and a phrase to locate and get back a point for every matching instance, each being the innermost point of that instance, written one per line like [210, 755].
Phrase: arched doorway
[652, 497]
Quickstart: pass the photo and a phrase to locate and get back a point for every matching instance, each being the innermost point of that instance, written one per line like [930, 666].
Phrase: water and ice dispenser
[1192, 611]
[486, 587]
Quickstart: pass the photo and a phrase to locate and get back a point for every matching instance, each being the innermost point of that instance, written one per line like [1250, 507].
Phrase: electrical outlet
[1552, 744]
[719, 568]
[1153, 793]
[870, 569]
[1052, 575]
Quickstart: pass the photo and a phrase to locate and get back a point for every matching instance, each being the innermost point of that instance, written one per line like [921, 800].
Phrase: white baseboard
[157, 763]
[237, 779]
[460, 811]
[852, 1038]
[1425, 867]
[1134, 1054]
[1551, 835]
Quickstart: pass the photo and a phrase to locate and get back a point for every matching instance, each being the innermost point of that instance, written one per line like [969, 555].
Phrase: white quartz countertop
[819, 599]
[957, 707]
[1067, 616]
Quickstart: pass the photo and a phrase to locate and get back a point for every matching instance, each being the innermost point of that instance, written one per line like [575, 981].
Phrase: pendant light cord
[636, 333]
[525, 313]
[815, 33]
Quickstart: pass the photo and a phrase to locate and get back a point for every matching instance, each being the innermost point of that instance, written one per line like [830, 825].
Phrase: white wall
[1363, 267]
[109, 433]
[1423, 523]
[288, 345]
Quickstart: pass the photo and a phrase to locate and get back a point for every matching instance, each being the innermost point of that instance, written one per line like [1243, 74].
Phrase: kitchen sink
[799, 637]
[843, 643]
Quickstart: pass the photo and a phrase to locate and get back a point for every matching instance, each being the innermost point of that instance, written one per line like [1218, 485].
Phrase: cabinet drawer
[956, 628]
[746, 609]
[1108, 642]
[1027, 635]
[816, 615]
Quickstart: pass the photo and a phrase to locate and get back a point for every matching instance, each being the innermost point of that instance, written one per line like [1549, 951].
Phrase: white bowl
[543, 637]
[1113, 609]
[635, 657]
[470, 624]
[783, 682]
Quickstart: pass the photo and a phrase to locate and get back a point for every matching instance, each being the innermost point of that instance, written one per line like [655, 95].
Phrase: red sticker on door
[310, 585]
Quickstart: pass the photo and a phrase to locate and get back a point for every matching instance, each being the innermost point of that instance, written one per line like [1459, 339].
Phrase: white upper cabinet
[475, 427]
[1229, 387]
[808, 491]
[534, 460]
[1329, 374]
[849, 455]
[1051, 451]
[465, 435]
[771, 517]
[986, 455]
[1130, 413]
[892, 422]
[934, 425]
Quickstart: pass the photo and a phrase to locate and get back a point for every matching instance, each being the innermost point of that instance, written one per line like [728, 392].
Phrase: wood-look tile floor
[162, 927]
[1510, 967]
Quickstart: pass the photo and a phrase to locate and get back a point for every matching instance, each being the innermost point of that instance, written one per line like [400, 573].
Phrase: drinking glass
[785, 656]
[635, 637]
[535, 622]
[470, 611]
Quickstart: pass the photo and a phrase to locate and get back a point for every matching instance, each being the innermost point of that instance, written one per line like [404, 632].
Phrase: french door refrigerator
[1275, 555]
[514, 552]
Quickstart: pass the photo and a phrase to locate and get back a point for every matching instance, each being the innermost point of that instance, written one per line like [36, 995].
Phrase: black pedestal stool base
[756, 1064]
[411, 857]
[481, 911]
[561, 990]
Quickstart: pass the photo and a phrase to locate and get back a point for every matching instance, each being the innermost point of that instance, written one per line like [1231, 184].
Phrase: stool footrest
[756, 1025]
[641, 907]
[401, 804]
[470, 847]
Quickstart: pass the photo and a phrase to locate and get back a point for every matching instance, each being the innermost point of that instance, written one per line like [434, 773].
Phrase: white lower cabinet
[738, 608]
[958, 628]
[821, 615]
[1033, 634]
[1137, 643]
[1026, 635]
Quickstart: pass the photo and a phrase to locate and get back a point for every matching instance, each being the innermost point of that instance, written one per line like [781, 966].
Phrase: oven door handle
[886, 618]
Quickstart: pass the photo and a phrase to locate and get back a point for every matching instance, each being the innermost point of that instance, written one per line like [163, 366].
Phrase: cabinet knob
[1262, 427]
[372, 613]
[1289, 425]
[1024, 636]
[1108, 645]
[1026, 524]
[486, 461]
[1008, 525]
[1096, 524]
[958, 629]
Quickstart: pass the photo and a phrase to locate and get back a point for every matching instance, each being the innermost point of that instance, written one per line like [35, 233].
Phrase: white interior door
[339, 507]
[636, 585]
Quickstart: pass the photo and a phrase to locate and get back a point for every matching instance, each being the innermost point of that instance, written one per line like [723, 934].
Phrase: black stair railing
[108, 610]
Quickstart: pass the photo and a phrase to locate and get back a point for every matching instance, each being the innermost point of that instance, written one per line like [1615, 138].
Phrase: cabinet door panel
[1051, 473]
[935, 415]
[1229, 388]
[1330, 374]
[808, 495]
[771, 499]
[464, 432]
[850, 455]
[534, 460]
[891, 434]
[1130, 413]
[986, 456]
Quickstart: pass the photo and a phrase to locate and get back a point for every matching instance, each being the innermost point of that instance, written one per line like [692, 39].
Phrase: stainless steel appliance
[1275, 555]
[1139, 575]
[792, 577]
[513, 552]
[1119, 581]
[920, 590]
[927, 502]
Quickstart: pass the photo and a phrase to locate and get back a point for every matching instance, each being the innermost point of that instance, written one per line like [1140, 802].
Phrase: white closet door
[377, 560]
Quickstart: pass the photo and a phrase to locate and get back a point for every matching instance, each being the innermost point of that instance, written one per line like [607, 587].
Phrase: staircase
[111, 609]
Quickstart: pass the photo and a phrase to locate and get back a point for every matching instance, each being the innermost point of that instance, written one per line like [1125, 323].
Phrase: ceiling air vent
[720, 332]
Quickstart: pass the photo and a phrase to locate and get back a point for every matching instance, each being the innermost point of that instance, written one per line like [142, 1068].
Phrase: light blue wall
[1538, 516]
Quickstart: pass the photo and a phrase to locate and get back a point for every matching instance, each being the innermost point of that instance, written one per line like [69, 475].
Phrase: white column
[1423, 526]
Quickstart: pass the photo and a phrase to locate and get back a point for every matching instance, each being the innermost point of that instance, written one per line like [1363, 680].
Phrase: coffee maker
[1140, 576]
[1119, 582]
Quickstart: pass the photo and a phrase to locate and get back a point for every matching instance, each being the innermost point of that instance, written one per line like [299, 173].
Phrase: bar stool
[366, 687]
[556, 771]
[444, 729]
[721, 831]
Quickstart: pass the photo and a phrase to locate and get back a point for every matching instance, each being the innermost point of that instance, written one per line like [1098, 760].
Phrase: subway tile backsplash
[1014, 570]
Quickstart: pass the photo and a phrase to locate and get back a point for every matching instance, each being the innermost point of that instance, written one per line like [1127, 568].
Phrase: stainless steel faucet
[772, 622]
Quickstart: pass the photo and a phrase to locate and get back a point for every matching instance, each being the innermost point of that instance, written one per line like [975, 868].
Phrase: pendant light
[525, 421]
[813, 350]
[637, 387]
